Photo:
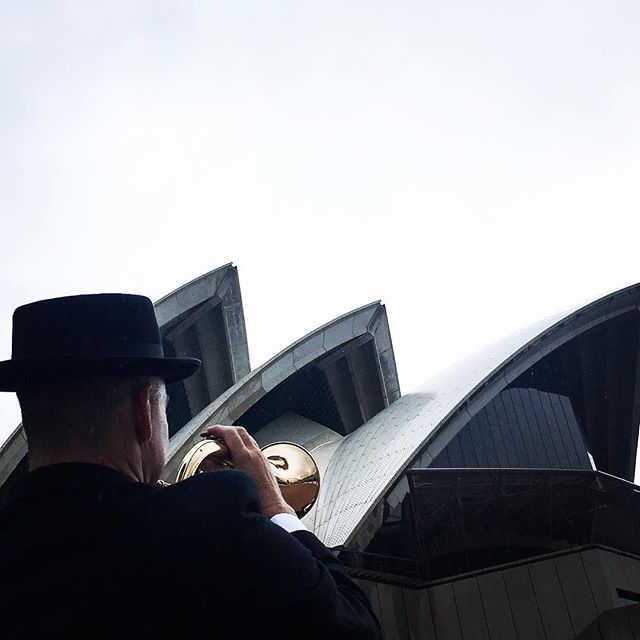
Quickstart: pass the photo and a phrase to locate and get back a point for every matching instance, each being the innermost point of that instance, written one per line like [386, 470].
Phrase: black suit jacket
[85, 552]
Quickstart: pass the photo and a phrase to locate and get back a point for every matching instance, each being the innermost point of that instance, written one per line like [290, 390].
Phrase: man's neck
[39, 459]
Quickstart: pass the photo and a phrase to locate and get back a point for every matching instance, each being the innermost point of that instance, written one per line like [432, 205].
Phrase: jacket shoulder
[229, 491]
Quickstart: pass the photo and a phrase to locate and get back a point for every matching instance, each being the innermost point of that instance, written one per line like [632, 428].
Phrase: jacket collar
[68, 475]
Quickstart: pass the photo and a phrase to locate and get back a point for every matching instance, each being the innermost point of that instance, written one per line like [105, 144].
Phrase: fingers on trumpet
[236, 442]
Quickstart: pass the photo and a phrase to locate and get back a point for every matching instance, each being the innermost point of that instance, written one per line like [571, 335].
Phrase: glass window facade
[576, 406]
[462, 520]
[519, 428]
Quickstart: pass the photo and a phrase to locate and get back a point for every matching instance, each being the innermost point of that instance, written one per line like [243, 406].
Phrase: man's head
[90, 374]
[118, 421]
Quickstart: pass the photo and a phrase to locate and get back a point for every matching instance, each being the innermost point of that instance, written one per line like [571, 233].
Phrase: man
[92, 547]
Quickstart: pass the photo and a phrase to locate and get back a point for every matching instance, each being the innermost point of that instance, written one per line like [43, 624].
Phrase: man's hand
[246, 455]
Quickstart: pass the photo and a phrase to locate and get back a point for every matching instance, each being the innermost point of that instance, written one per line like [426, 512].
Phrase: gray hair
[56, 415]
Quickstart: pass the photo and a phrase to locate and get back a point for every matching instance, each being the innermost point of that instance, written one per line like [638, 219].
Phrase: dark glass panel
[477, 437]
[469, 520]
[498, 438]
[557, 438]
[517, 425]
[575, 446]
[574, 439]
[395, 543]
[513, 426]
[441, 461]
[497, 407]
[531, 403]
[455, 453]
[528, 429]
[468, 451]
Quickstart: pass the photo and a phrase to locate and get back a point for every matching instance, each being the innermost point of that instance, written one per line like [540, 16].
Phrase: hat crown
[102, 334]
[104, 324]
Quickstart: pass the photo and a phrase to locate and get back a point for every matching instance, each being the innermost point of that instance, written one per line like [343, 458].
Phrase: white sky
[472, 164]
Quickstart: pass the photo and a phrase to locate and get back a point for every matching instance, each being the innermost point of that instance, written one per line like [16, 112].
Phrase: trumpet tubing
[295, 469]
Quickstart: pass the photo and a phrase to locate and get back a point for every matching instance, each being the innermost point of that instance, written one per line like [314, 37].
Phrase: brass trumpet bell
[295, 469]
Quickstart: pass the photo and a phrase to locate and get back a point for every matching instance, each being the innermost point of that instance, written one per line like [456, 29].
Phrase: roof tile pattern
[368, 461]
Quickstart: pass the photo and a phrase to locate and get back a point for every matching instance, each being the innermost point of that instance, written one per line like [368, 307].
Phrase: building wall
[558, 598]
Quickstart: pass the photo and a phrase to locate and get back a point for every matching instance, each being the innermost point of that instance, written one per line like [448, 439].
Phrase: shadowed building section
[204, 319]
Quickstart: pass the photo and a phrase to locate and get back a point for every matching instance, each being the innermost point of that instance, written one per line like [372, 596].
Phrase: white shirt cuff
[288, 522]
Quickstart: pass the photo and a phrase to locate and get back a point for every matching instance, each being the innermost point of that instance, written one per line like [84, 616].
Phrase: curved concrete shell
[195, 301]
[339, 342]
[204, 319]
[367, 463]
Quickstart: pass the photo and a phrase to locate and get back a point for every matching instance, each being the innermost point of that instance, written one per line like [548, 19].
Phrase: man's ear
[143, 413]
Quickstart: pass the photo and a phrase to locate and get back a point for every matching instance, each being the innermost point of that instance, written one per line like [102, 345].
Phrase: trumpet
[295, 469]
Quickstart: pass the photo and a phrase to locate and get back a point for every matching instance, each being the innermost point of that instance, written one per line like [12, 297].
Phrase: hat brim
[24, 372]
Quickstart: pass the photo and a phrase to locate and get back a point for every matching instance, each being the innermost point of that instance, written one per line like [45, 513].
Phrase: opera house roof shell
[336, 391]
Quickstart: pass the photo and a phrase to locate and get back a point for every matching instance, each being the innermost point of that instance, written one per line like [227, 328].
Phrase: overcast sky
[472, 164]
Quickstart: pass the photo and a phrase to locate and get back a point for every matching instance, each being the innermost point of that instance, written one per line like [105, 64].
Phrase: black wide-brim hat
[77, 337]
